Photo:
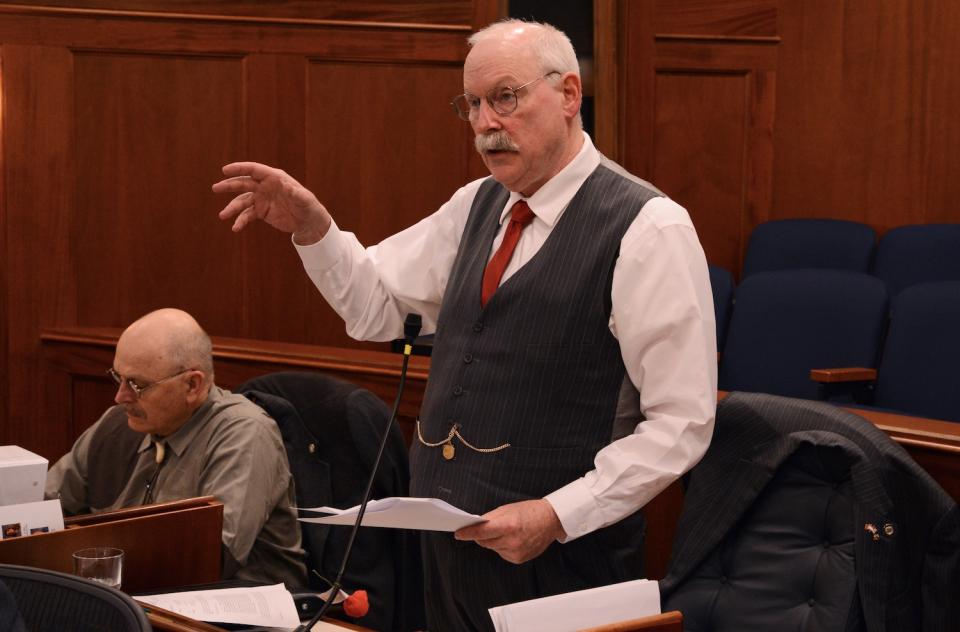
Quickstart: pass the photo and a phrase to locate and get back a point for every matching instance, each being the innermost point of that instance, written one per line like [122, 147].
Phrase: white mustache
[494, 141]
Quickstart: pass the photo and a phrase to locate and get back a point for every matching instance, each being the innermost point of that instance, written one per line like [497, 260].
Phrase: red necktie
[520, 217]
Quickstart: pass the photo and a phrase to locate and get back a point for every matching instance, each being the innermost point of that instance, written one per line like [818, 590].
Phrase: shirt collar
[552, 198]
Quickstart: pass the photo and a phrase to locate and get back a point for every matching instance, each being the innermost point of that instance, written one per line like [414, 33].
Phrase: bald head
[164, 371]
[169, 339]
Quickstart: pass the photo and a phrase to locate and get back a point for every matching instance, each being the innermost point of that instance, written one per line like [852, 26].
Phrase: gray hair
[551, 46]
[192, 349]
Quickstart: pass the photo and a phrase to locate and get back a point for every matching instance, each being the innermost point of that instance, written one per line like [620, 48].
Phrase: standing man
[174, 434]
[570, 301]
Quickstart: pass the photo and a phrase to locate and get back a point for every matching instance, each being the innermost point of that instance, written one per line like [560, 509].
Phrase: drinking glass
[103, 564]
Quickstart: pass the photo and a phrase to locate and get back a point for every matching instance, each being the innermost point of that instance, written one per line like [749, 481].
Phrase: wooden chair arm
[847, 374]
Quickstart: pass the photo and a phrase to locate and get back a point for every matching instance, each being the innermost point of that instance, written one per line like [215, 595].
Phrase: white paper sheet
[260, 605]
[428, 514]
[581, 609]
[30, 518]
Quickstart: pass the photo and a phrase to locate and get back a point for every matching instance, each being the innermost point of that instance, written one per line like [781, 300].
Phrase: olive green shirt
[230, 449]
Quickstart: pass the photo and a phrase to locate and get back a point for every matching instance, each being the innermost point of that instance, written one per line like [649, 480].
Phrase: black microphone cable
[411, 327]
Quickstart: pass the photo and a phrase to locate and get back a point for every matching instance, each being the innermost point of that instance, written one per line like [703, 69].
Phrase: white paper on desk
[428, 514]
[581, 609]
[259, 605]
[30, 518]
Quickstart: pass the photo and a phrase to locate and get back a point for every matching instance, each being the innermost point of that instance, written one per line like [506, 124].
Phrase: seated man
[174, 434]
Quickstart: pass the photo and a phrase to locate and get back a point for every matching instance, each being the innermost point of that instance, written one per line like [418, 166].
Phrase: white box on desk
[22, 475]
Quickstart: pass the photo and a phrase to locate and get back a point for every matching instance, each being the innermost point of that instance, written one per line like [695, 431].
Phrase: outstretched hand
[518, 532]
[273, 196]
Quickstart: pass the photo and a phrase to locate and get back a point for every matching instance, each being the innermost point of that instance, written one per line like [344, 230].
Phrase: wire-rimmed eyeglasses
[136, 386]
[503, 99]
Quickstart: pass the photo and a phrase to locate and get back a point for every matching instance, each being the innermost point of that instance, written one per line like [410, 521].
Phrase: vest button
[458, 390]
[468, 358]
[478, 326]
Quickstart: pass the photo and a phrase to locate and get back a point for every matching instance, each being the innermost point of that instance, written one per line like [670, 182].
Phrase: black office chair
[804, 517]
[331, 430]
[50, 601]
[791, 244]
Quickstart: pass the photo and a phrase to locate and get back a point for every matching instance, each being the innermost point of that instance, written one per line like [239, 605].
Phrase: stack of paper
[581, 609]
[428, 514]
[260, 605]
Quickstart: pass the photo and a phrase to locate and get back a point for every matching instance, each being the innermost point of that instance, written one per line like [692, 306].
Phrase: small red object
[356, 605]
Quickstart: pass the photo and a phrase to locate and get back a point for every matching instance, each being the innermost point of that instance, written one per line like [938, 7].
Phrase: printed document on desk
[428, 514]
[580, 609]
[260, 605]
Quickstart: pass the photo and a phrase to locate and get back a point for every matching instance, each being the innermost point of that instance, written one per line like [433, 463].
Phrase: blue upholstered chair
[920, 369]
[788, 322]
[721, 282]
[918, 372]
[917, 254]
[790, 244]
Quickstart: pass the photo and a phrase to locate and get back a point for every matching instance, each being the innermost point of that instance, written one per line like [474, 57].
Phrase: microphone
[411, 328]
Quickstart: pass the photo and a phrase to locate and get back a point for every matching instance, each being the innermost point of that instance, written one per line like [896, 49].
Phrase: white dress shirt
[662, 316]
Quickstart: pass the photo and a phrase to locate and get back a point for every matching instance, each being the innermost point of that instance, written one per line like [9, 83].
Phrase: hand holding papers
[428, 514]
[581, 609]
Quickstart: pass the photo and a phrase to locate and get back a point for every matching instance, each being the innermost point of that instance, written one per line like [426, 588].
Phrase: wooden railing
[75, 360]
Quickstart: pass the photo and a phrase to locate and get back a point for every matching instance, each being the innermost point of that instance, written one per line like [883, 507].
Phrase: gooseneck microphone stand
[411, 327]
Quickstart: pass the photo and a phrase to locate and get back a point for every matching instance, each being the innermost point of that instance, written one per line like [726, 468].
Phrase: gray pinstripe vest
[537, 367]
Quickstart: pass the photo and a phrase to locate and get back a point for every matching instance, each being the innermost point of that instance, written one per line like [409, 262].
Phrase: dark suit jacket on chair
[904, 529]
[331, 431]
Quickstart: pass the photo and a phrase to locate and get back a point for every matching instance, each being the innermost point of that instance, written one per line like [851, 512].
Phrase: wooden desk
[169, 544]
[76, 359]
[666, 622]
[167, 621]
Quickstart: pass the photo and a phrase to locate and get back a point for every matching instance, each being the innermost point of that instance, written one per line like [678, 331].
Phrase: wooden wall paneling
[4, 291]
[115, 123]
[712, 137]
[441, 12]
[38, 178]
[697, 115]
[717, 18]
[853, 120]
[147, 234]
[376, 134]
[702, 118]
[635, 98]
[697, 120]
[941, 134]
[276, 292]
[607, 94]
[208, 35]
[488, 11]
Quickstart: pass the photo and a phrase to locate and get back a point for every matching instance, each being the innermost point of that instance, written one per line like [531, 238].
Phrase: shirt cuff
[577, 509]
[322, 255]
